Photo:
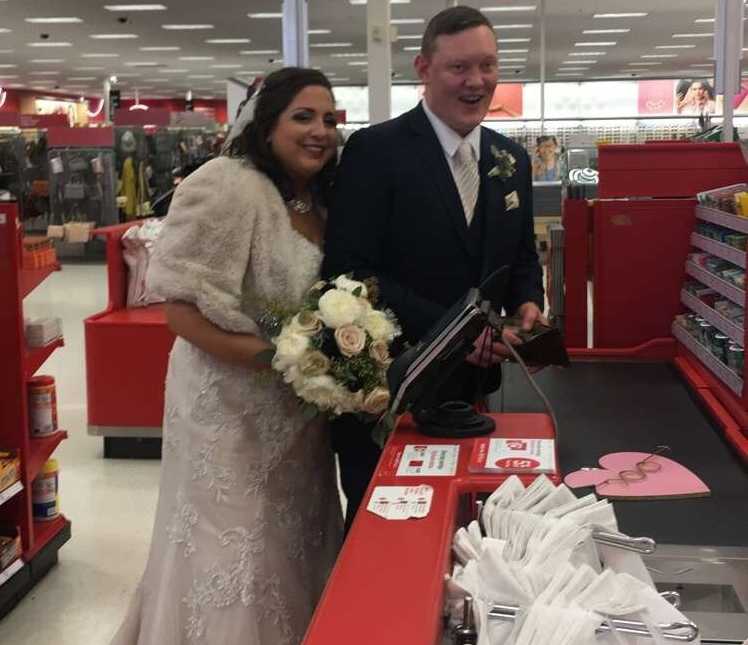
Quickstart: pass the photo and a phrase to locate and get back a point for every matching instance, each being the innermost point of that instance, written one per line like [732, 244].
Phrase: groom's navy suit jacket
[396, 214]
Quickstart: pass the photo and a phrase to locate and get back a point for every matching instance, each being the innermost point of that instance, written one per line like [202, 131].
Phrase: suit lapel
[494, 205]
[439, 173]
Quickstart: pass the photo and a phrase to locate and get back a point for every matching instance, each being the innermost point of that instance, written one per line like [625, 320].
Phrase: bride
[248, 522]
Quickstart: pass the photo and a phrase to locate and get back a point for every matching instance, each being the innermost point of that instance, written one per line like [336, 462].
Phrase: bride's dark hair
[278, 91]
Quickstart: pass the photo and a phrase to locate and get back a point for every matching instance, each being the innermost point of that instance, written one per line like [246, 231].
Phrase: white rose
[379, 326]
[289, 347]
[322, 391]
[377, 401]
[306, 323]
[338, 308]
[346, 284]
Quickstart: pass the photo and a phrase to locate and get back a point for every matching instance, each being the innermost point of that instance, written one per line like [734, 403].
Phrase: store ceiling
[203, 67]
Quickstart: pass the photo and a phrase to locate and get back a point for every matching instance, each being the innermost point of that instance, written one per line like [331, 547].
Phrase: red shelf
[30, 279]
[43, 533]
[36, 356]
[41, 449]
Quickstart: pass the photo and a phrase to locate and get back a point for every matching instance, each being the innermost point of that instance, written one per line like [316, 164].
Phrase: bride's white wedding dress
[248, 523]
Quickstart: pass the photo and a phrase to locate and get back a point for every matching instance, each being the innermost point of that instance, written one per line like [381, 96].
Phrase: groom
[431, 203]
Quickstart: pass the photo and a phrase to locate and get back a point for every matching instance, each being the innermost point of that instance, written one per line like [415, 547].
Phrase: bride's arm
[186, 321]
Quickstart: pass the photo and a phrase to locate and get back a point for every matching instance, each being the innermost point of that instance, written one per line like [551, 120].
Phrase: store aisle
[110, 503]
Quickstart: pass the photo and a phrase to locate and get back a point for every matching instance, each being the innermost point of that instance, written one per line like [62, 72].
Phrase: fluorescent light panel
[196, 58]
[514, 26]
[42, 61]
[609, 43]
[53, 21]
[319, 32]
[702, 34]
[265, 15]
[606, 31]
[527, 7]
[325, 45]
[135, 7]
[193, 27]
[636, 14]
[675, 46]
[259, 52]
[407, 21]
[228, 41]
[114, 36]
[513, 40]
[160, 49]
[105, 55]
[513, 51]
[587, 54]
[50, 44]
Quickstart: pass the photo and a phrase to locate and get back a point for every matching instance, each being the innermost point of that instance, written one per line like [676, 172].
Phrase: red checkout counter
[387, 586]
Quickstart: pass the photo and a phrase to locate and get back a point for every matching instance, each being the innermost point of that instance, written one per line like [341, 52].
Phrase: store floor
[111, 503]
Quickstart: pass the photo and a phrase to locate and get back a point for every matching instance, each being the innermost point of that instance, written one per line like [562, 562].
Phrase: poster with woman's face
[545, 164]
[694, 97]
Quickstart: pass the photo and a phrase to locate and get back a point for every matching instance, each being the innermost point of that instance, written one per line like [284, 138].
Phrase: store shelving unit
[727, 386]
[40, 540]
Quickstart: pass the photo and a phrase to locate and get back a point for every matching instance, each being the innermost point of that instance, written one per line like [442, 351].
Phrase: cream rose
[314, 363]
[338, 308]
[351, 340]
[351, 286]
[318, 286]
[379, 326]
[321, 391]
[306, 323]
[380, 353]
[289, 348]
[376, 401]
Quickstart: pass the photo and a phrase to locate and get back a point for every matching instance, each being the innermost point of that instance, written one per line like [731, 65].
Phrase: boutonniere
[505, 164]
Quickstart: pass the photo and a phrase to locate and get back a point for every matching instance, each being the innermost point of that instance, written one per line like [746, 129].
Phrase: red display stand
[388, 583]
[127, 352]
[668, 169]
[40, 540]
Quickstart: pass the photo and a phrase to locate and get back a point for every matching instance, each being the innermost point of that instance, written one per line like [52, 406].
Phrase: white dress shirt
[450, 140]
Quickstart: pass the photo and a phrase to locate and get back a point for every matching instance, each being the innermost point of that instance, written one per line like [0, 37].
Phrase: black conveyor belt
[611, 407]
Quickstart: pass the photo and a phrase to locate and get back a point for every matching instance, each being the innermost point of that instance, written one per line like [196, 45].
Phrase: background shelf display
[713, 317]
[719, 369]
[10, 492]
[721, 250]
[718, 284]
[32, 278]
[721, 218]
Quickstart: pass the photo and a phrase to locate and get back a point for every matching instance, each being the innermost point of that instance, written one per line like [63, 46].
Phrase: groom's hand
[488, 352]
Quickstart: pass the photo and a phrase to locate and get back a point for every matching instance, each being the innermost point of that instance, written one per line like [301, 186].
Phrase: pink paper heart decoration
[672, 480]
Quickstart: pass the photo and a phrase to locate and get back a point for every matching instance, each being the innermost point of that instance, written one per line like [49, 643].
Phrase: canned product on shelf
[45, 497]
[42, 396]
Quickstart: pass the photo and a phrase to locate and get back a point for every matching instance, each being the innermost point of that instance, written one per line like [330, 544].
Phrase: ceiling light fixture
[7, 66]
[606, 31]
[326, 45]
[659, 55]
[319, 32]
[266, 15]
[702, 34]
[186, 27]
[609, 43]
[675, 46]
[527, 7]
[636, 14]
[108, 55]
[358, 63]
[114, 36]
[49, 44]
[228, 41]
[82, 78]
[350, 55]
[258, 52]
[513, 51]
[145, 64]
[227, 66]
[515, 26]
[53, 21]
[513, 40]
[135, 7]
[159, 49]
[412, 49]
[196, 58]
[42, 61]
[407, 21]
[704, 20]
[512, 60]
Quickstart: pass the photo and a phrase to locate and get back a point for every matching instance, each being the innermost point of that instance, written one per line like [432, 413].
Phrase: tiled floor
[111, 503]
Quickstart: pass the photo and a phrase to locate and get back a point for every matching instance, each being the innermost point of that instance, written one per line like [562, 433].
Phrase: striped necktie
[467, 178]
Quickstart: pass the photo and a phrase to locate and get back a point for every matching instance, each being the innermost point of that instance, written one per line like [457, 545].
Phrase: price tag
[401, 502]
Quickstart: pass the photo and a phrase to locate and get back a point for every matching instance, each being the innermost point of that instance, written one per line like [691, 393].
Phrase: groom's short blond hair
[451, 21]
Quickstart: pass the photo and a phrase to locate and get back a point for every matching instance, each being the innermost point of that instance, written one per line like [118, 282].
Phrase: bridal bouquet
[335, 350]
